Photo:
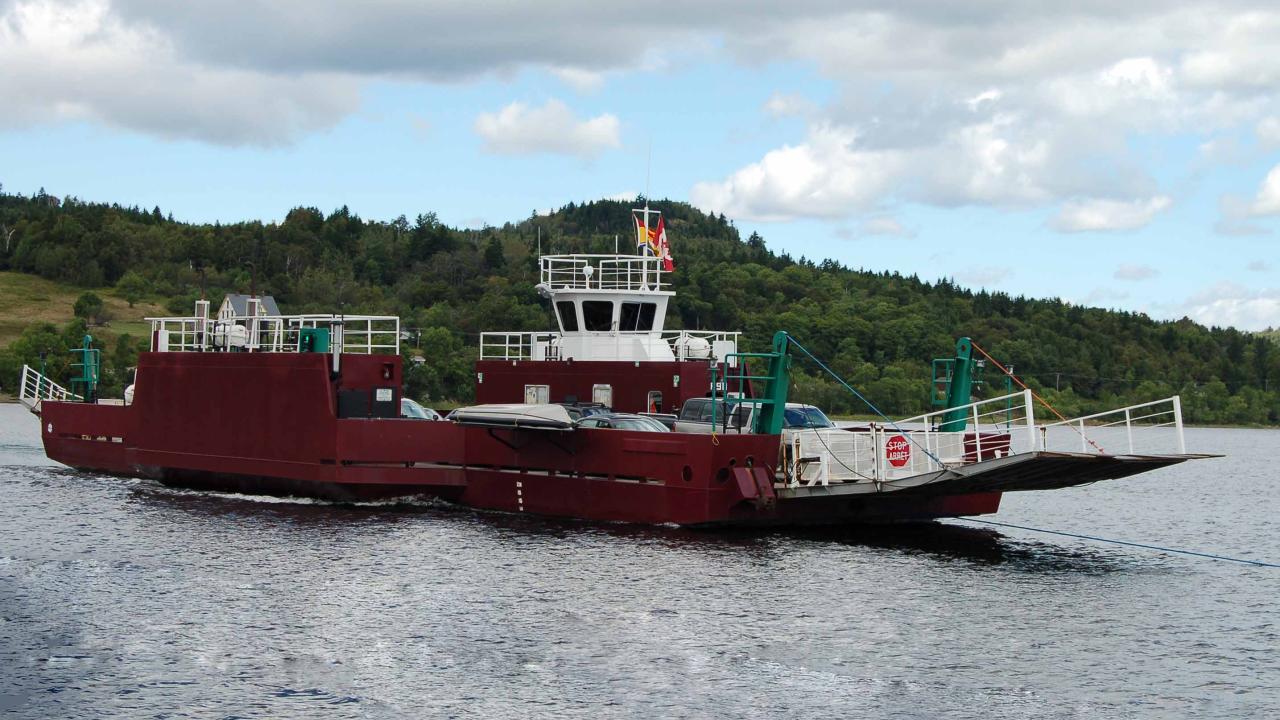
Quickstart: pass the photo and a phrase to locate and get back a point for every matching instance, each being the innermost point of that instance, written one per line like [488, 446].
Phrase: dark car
[622, 421]
[577, 411]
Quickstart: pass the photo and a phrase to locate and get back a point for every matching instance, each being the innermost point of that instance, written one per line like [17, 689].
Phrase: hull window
[537, 394]
[602, 394]
[655, 401]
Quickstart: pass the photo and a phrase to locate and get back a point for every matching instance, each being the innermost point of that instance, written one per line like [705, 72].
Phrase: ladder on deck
[769, 407]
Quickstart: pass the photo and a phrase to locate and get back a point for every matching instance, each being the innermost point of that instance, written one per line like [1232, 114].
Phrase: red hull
[269, 423]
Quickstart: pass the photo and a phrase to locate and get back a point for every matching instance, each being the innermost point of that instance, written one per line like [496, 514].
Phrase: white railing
[821, 456]
[1152, 428]
[994, 428]
[361, 334]
[718, 343]
[602, 272]
[621, 345]
[34, 388]
[519, 346]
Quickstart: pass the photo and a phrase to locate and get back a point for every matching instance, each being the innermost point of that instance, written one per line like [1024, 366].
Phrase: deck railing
[1149, 428]
[994, 428]
[602, 272]
[519, 346]
[34, 388]
[547, 345]
[360, 334]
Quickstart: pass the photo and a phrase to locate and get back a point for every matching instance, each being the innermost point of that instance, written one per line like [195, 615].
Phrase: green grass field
[27, 299]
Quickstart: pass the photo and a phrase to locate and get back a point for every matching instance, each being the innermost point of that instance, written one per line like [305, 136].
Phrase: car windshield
[411, 409]
[806, 417]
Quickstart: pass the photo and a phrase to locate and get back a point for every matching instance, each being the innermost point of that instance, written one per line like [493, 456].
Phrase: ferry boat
[256, 401]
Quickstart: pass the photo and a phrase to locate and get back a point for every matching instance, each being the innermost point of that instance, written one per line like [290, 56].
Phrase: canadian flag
[660, 247]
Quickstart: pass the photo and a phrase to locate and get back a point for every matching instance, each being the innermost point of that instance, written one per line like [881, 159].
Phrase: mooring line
[1211, 556]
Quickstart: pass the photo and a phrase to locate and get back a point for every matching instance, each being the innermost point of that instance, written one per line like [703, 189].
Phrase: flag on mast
[642, 236]
[661, 249]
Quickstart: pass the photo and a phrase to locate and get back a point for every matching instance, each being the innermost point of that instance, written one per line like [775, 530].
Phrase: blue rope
[859, 395]
[1124, 542]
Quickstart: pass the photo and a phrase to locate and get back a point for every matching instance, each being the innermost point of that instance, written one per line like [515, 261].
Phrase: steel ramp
[1038, 470]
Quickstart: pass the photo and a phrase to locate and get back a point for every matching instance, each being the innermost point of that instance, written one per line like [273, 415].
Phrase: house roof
[240, 304]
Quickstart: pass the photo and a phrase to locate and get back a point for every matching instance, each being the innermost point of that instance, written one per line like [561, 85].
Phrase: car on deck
[622, 421]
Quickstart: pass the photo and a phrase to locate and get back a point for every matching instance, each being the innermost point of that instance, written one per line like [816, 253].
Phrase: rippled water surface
[122, 598]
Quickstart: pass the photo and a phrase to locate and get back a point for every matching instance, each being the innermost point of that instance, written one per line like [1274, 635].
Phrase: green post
[960, 390]
[770, 416]
[89, 367]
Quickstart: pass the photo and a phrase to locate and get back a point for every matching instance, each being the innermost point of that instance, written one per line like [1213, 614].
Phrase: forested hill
[878, 330]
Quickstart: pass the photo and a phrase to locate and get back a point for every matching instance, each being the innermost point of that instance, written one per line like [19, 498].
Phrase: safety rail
[821, 456]
[519, 346]
[602, 272]
[994, 428]
[684, 344]
[34, 388]
[1150, 428]
[359, 334]
[688, 344]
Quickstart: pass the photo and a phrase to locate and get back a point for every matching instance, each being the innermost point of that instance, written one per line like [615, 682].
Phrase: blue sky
[1124, 157]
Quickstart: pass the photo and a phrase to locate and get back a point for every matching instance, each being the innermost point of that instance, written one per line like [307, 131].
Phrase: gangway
[34, 388]
[1000, 448]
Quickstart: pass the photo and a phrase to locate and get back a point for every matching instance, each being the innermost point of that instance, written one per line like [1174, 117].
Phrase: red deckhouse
[256, 401]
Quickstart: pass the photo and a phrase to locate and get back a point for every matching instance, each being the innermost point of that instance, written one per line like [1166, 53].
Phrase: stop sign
[897, 451]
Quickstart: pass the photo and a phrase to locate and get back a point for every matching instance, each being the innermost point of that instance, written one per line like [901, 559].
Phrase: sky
[1122, 155]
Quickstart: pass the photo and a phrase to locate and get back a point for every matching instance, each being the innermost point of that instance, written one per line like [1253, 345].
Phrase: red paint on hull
[268, 423]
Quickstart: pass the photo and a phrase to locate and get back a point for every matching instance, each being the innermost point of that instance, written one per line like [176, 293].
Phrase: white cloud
[584, 81]
[1234, 217]
[78, 61]
[787, 105]
[1267, 201]
[519, 129]
[1134, 273]
[884, 225]
[1106, 215]
[984, 275]
[1258, 266]
[827, 176]
[1230, 305]
[1268, 131]
[999, 103]
[1101, 295]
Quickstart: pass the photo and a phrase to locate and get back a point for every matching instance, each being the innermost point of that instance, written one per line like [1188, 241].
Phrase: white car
[413, 410]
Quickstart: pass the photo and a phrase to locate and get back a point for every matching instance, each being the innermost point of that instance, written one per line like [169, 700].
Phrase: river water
[121, 598]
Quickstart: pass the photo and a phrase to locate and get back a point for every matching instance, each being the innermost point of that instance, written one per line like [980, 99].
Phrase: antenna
[648, 168]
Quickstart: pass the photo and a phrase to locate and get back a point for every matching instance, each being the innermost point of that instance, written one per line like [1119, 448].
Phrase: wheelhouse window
[597, 315]
[637, 317]
[568, 315]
